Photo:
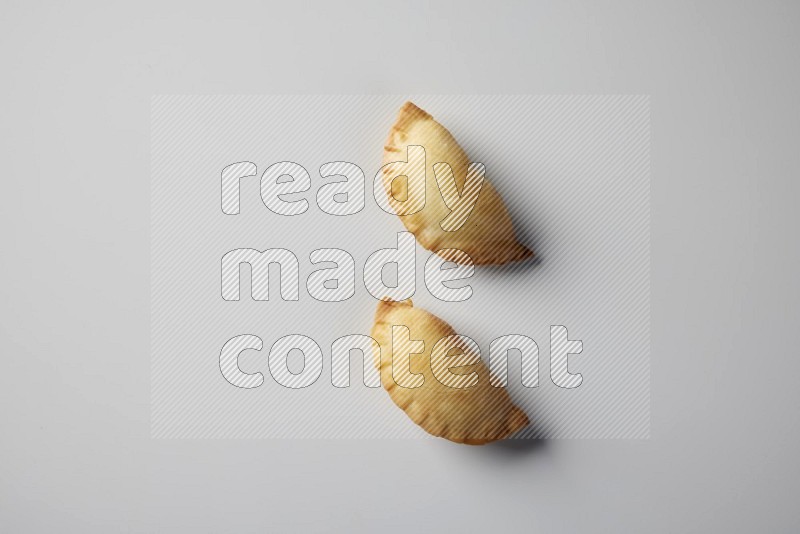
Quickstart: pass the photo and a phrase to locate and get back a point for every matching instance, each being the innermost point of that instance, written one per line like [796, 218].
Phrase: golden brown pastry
[485, 232]
[467, 410]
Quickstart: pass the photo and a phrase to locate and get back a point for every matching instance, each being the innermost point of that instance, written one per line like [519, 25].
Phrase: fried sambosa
[472, 219]
[454, 398]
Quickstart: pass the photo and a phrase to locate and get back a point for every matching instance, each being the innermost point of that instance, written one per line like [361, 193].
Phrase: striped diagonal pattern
[573, 170]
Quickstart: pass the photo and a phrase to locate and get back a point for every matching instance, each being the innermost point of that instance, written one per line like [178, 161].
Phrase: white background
[75, 452]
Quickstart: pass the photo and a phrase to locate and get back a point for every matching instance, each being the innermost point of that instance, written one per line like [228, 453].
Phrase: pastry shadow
[512, 448]
[523, 443]
[530, 235]
[512, 269]
[518, 266]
